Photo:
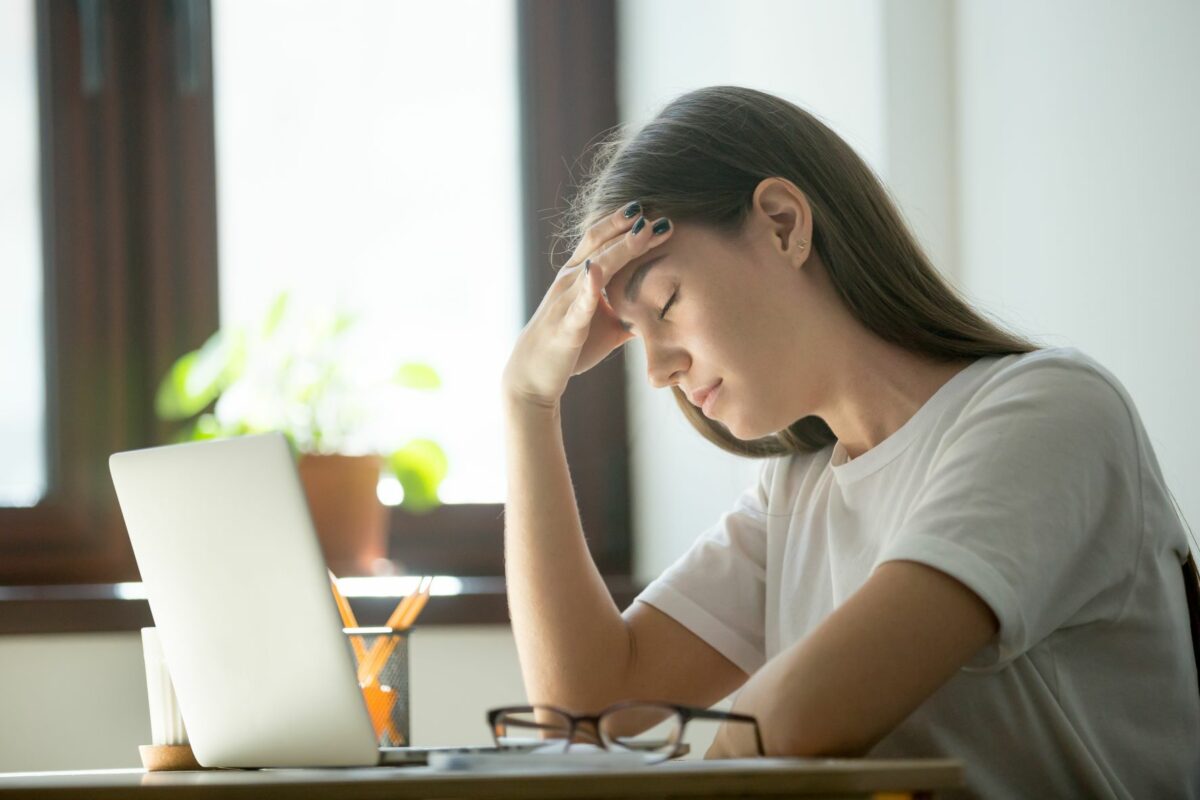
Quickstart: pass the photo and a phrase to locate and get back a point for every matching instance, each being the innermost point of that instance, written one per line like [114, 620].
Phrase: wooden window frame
[129, 242]
[128, 178]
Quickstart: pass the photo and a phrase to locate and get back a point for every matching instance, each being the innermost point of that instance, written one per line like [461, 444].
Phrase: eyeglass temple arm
[698, 713]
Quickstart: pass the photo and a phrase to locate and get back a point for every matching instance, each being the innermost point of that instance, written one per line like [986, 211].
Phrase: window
[22, 403]
[129, 176]
[381, 178]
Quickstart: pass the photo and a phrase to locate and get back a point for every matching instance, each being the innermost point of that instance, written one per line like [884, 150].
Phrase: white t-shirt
[1030, 479]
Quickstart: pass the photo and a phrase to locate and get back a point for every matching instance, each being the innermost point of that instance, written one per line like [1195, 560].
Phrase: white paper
[581, 757]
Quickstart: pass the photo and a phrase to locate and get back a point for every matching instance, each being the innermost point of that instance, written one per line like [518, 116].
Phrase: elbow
[815, 748]
[796, 738]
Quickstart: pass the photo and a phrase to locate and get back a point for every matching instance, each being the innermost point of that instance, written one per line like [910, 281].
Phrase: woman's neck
[879, 390]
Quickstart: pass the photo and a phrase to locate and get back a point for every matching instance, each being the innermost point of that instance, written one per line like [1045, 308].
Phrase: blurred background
[334, 218]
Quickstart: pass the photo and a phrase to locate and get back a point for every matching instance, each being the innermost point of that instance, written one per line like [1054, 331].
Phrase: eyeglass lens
[641, 728]
[542, 726]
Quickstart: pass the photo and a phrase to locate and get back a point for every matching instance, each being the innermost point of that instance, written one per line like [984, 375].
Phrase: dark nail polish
[662, 226]
[632, 209]
[641, 223]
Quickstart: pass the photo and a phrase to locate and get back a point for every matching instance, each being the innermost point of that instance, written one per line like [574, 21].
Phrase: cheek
[716, 350]
[730, 340]
[759, 359]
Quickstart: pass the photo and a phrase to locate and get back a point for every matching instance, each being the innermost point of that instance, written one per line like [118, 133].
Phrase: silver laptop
[240, 594]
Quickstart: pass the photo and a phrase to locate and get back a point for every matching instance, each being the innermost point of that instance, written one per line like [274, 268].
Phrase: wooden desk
[758, 777]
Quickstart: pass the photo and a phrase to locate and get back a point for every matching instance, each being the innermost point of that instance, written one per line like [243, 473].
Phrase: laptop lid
[240, 594]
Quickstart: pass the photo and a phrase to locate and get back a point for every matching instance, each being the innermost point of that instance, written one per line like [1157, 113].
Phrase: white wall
[1079, 164]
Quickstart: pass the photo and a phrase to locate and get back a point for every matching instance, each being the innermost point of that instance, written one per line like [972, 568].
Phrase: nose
[663, 365]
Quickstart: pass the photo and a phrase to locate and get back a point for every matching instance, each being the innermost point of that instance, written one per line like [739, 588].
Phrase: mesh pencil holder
[381, 659]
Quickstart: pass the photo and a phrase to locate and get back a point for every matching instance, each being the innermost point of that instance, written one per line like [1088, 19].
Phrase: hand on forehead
[618, 245]
[617, 285]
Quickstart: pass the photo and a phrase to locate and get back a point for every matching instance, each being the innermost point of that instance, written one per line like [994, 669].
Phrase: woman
[960, 543]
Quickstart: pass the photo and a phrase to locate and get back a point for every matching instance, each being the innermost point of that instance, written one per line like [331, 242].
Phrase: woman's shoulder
[1059, 398]
[1063, 380]
[1047, 361]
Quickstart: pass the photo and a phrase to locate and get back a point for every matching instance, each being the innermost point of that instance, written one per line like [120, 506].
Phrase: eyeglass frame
[686, 715]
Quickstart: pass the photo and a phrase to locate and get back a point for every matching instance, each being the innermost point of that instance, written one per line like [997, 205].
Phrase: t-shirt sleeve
[1033, 502]
[717, 588]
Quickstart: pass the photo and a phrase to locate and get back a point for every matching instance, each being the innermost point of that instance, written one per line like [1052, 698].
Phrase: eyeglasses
[651, 728]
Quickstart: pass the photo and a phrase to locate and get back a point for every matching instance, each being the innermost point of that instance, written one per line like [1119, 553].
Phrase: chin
[751, 431]
[753, 434]
[746, 433]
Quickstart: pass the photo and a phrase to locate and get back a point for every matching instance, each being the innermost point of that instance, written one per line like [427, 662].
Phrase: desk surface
[758, 777]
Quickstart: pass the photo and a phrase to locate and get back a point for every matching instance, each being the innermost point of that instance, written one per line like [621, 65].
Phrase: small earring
[801, 244]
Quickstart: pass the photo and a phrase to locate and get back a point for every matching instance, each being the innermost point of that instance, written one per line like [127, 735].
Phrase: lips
[700, 395]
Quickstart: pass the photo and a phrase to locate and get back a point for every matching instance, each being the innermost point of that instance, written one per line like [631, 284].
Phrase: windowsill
[112, 607]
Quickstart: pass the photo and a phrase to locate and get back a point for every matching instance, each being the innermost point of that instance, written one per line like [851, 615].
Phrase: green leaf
[420, 466]
[171, 401]
[207, 427]
[237, 352]
[197, 378]
[417, 376]
[342, 322]
[275, 314]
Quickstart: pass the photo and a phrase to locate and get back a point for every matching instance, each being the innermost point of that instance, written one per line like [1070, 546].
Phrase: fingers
[607, 228]
[566, 279]
[584, 304]
[642, 237]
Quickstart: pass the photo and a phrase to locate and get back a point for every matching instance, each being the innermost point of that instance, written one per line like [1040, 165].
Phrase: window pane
[367, 160]
[22, 402]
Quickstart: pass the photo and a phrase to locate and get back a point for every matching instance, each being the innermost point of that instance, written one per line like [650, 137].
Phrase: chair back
[1191, 587]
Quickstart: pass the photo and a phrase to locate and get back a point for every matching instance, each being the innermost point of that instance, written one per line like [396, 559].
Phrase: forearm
[907, 631]
[572, 642]
[794, 719]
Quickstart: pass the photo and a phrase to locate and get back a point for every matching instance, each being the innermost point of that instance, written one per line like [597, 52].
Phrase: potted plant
[292, 372]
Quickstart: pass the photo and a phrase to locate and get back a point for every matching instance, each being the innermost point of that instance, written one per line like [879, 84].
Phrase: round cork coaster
[162, 757]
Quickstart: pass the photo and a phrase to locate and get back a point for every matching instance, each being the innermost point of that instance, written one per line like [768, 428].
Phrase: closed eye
[663, 312]
[628, 326]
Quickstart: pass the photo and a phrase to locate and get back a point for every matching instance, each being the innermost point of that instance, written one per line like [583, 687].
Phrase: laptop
[239, 591]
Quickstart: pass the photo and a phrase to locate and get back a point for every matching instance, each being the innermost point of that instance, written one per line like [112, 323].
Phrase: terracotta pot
[351, 522]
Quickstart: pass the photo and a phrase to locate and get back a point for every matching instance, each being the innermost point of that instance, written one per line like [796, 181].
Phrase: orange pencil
[343, 605]
[347, 615]
[379, 704]
[402, 609]
[368, 668]
[407, 618]
[414, 610]
[378, 658]
[383, 646]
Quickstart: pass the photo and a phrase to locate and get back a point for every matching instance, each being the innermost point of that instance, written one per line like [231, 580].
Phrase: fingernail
[641, 223]
[632, 209]
[662, 226]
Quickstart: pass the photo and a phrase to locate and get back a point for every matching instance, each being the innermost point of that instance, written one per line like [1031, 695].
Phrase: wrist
[522, 407]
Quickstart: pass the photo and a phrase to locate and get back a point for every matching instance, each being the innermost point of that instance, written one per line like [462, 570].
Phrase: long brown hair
[700, 160]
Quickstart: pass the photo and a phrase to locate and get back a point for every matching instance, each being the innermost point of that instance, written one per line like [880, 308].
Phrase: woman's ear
[787, 216]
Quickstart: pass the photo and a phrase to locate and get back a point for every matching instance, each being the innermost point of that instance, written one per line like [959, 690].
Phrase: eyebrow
[631, 290]
[635, 283]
